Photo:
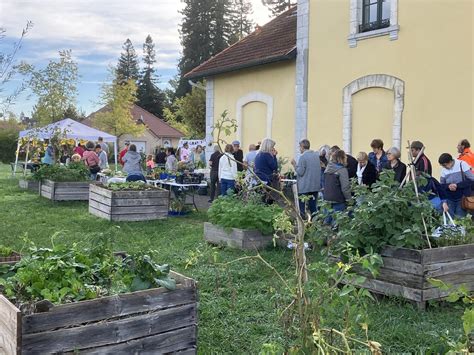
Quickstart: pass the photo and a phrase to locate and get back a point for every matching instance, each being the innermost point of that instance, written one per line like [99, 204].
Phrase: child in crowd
[76, 158]
[150, 164]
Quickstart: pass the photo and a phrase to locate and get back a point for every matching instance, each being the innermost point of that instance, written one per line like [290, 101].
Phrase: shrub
[232, 212]
[386, 215]
[8, 142]
[61, 173]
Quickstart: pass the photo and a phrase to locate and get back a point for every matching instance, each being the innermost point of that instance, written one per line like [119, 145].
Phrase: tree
[55, 86]
[241, 23]
[127, 67]
[205, 31]
[278, 6]
[73, 113]
[8, 69]
[188, 113]
[117, 118]
[150, 96]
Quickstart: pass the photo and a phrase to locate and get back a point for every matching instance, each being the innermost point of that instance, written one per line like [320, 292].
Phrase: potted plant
[128, 201]
[64, 183]
[395, 223]
[240, 223]
[67, 299]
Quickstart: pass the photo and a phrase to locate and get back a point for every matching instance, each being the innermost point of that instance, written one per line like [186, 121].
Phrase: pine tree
[240, 21]
[127, 67]
[278, 6]
[150, 96]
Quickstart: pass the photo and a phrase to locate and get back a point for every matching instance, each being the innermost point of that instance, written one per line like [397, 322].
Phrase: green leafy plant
[5, 251]
[64, 273]
[130, 186]
[60, 173]
[233, 212]
[460, 293]
[384, 215]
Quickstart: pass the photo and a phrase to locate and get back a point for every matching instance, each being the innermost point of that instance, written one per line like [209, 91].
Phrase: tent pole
[115, 154]
[16, 159]
[26, 157]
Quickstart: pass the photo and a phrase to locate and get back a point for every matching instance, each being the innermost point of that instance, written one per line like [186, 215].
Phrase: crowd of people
[328, 173]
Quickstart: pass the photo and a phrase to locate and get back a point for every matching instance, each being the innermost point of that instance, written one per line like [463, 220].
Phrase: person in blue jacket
[266, 165]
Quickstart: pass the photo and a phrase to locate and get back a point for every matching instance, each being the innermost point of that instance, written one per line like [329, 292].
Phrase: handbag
[448, 227]
[94, 169]
[467, 202]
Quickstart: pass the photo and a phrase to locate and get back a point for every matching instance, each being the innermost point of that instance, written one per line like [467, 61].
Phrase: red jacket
[467, 156]
[121, 155]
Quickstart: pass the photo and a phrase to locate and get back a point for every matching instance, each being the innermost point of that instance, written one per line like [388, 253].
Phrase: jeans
[312, 203]
[227, 185]
[335, 207]
[455, 209]
[214, 184]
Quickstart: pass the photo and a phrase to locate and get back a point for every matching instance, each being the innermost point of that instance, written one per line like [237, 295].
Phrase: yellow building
[392, 69]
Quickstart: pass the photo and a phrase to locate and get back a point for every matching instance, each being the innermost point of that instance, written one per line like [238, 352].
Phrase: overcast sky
[95, 31]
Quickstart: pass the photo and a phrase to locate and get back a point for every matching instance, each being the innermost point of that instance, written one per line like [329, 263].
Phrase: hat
[235, 143]
[416, 145]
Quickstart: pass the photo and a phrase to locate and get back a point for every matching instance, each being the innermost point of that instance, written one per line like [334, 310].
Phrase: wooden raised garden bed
[29, 185]
[154, 321]
[405, 272]
[236, 238]
[13, 258]
[127, 205]
[65, 191]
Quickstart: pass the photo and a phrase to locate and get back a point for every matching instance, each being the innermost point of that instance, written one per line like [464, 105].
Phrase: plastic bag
[449, 228]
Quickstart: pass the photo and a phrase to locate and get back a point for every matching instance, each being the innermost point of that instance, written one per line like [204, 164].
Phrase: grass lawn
[240, 304]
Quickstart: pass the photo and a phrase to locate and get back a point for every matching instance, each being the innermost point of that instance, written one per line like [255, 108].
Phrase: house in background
[157, 133]
[392, 69]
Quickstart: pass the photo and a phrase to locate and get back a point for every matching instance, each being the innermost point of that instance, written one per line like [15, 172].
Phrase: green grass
[238, 305]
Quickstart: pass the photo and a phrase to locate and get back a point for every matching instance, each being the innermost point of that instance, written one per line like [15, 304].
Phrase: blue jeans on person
[312, 203]
[455, 209]
[135, 177]
[227, 185]
[335, 207]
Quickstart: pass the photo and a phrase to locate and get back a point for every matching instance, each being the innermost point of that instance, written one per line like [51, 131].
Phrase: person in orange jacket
[465, 153]
[122, 153]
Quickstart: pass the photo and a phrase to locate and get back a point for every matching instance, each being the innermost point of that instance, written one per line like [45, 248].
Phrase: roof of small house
[155, 125]
[273, 42]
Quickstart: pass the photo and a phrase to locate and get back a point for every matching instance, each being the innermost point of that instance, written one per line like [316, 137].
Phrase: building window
[375, 15]
[372, 18]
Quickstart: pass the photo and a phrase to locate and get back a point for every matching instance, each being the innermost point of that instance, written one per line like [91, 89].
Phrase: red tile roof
[275, 41]
[156, 125]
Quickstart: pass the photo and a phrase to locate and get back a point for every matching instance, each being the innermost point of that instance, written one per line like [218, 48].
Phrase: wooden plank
[100, 199]
[436, 293]
[73, 184]
[395, 277]
[390, 289]
[99, 213]
[454, 279]
[99, 190]
[180, 341]
[446, 268]
[402, 265]
[138, 217]
[10, 327]
[128, 209]
[445, 254]
[402, 253]
[110, 331]
[108, 307]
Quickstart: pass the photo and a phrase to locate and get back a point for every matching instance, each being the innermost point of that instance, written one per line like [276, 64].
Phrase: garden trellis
[69, 129]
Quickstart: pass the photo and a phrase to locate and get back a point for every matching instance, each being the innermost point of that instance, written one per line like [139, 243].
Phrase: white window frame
[356, 20]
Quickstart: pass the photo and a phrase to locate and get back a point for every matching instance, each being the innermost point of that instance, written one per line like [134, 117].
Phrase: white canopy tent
[68, 129]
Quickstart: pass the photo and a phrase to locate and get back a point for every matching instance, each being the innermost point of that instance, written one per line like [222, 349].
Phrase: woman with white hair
[394, 163]
[266, 164]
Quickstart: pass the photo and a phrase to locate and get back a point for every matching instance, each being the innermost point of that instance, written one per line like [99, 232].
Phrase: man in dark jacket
[238, 155]
[351, 164]
[160, 158]
[423, 165]
[214, 164]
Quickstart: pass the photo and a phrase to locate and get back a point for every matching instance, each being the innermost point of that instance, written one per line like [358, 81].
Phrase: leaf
[139, 284]
[468, 321]
[168, 283]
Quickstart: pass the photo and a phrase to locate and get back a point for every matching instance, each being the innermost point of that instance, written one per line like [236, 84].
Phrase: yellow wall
[433, 56]
[276, 80]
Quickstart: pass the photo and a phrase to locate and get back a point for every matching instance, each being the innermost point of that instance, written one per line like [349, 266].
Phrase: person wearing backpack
[456, 179]
[337, 187]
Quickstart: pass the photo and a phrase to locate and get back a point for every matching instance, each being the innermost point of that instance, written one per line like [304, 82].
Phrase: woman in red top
[79, 149]
[122, 153]
[91, 159]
